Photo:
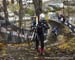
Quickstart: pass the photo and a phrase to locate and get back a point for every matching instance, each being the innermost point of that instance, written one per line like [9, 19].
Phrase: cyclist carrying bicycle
[41, 28]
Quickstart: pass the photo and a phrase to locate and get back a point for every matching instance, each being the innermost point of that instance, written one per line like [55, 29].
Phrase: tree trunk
[38, 7]
[5, 10]
[12, 1]
[20, 13]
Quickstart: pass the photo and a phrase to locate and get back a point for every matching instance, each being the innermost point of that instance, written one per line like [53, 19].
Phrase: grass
[70, 45]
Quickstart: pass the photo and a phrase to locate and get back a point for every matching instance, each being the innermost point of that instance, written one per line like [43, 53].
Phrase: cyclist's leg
[42, 43]
[37, 43]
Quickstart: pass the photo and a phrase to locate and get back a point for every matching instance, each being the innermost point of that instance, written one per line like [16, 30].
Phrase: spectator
[55, 30]
[61, 18]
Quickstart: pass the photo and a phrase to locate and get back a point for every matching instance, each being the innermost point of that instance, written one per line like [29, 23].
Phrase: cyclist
[41, 27]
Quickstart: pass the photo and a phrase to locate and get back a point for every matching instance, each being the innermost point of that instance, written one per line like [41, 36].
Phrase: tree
[12, 1]
[20, 13]
[20, 19]
[5, 10]
[38, 7]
